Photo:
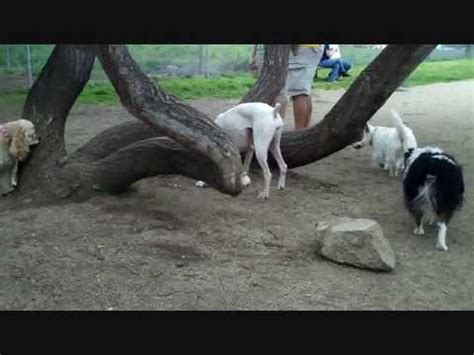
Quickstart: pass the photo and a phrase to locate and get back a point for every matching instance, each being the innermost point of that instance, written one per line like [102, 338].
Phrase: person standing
[302, 64]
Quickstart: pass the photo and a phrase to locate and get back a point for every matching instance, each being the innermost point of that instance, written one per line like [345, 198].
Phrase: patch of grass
[222, 87]
[442, 71]
[235, 86]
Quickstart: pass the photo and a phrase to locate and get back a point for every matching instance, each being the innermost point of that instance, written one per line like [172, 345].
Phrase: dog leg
[441, 243]
[276, 152]
[419, 224]
[200, 184]
[262, 155]
[391, 170]
[248, 159]
[15, 174]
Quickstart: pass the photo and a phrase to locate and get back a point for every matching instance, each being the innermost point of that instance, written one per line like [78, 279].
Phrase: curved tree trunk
[115, 158]
[179, 121]
[174, 138]
[344, 124]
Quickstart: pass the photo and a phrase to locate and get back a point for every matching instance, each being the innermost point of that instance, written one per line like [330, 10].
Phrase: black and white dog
[433, 186]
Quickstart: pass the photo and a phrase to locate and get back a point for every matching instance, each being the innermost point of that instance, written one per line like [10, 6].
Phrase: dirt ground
[168, 245]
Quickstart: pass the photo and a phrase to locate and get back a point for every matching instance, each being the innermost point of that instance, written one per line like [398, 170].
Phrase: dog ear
[276, 110]
[408, 153]
[19, 146]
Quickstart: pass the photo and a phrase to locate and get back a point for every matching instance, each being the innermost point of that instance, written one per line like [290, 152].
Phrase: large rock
[356, 242]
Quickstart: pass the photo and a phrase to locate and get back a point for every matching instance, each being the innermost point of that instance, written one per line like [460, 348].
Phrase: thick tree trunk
[47, 105]
[144, 152]
[273, 76]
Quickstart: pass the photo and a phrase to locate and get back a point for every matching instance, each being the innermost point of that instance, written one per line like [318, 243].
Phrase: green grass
[235, 86]
[427, 73]
[222, 87]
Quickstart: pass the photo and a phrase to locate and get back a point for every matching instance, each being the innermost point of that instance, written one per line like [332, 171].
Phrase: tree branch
[166, 113]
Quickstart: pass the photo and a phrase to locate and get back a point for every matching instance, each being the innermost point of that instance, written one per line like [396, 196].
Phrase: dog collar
[3, 131]
[372, 136]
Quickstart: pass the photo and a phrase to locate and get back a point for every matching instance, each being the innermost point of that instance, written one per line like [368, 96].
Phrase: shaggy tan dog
[16, 137]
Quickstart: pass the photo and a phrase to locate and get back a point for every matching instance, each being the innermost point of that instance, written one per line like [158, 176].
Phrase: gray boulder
[356, 242]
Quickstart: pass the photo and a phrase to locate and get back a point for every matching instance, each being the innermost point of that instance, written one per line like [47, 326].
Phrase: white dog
[16, 137]
[255, 127]
[389, 143]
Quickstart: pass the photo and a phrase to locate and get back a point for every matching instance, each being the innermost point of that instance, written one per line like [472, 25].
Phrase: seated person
[332, 59]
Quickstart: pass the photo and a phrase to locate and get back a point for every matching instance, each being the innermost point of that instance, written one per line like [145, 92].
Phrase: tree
[172, 137]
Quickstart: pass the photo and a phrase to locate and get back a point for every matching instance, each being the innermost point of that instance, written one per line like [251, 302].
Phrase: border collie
[433, 186]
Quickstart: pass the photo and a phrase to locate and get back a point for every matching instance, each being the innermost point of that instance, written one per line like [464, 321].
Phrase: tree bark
[272, 77]
[47, 105]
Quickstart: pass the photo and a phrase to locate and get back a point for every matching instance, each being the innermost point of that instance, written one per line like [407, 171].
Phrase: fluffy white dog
[389, 144]
[255, 127]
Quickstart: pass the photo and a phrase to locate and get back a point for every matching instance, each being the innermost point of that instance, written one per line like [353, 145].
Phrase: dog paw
[418, 231]
[263, 196]
[245, 179]
[441, 247]
[200, 184]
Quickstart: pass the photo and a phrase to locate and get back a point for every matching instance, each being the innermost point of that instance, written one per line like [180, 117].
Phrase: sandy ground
[167, 245]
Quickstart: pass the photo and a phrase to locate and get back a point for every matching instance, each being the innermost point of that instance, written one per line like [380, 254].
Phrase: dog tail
[407, 138]
[425, 200]
[276, 110]
[399, 125]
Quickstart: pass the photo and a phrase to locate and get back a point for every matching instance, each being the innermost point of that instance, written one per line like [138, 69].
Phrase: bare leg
[302, 108]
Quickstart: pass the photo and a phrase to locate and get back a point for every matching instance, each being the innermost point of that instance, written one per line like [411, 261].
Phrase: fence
[187, 60]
